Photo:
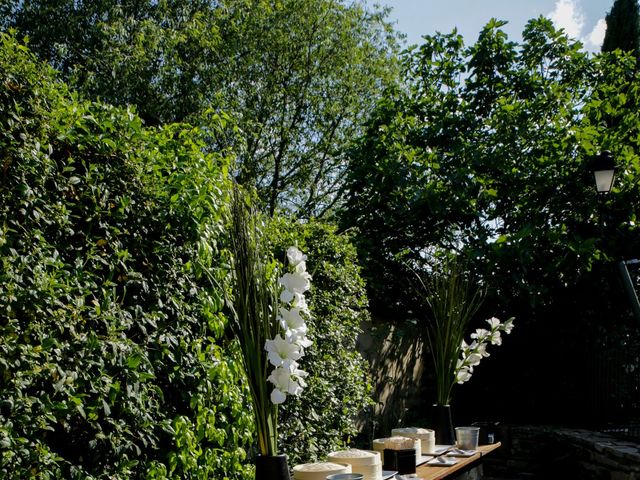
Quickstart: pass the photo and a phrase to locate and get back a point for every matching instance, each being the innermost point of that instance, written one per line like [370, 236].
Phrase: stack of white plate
[318, 471]
[367, 463]
[397, 443]
[427, 437]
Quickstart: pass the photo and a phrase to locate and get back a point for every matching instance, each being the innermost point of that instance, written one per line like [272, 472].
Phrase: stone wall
[397, 364]
[547, 453]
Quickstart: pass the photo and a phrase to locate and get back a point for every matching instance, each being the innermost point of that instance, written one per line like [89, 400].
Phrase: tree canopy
[300, 76]
[112, 347]
[486, 151]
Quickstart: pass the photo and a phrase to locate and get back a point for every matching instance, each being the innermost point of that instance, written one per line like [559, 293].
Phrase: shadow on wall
[396, 356]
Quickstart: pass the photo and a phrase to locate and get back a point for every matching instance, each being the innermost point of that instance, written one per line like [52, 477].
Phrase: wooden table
[427, 472]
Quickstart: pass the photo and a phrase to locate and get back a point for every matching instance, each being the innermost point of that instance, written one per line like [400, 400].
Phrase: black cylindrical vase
[442, 424]
[272, 467]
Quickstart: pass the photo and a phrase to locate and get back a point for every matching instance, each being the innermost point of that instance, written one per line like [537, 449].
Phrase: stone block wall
[548, 453]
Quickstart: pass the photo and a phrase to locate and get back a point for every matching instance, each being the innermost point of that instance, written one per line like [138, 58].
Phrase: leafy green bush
[113, 362]
[323, 418]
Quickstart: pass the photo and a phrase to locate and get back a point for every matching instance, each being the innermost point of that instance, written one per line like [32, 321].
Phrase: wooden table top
[427, 472]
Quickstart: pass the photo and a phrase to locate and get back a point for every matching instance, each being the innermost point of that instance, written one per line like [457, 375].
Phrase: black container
[442, 424]
[272, 467]
[402, 461]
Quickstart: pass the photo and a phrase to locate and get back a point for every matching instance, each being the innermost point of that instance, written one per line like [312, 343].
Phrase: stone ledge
[548, 453]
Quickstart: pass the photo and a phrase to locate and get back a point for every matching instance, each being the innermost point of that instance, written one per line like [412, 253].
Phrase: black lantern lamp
[604, 171]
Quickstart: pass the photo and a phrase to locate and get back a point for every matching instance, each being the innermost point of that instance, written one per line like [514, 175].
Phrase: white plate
[440, 449]
[387, 474]
[442, 462]
[456, 452]
[423, 459]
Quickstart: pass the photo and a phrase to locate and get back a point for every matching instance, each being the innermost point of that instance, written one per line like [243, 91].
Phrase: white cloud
[568, 15]
[593, 40]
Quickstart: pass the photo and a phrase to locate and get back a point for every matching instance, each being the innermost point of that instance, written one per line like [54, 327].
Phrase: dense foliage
[497, 164]
[486, 151]
[112, 357]
[299, 75]
[324, 418]
[114, 354]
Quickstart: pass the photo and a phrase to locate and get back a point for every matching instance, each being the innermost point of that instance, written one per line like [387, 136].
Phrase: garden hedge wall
[115, 357]
[113, 362]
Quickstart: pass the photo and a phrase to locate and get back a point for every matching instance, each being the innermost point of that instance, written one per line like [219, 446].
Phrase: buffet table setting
[269, 315]
[410, 453]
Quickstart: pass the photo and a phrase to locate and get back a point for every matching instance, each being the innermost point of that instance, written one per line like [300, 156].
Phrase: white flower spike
[474, 352]
[283, 352]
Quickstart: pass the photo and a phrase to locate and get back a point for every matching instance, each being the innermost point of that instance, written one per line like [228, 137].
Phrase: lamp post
[604, 171]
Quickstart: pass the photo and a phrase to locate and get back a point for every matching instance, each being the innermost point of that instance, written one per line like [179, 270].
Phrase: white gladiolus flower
[300, 302]
[493, 323]
[291, 319]
[295, 256]
[288, 380]
[463, 375]
[304, 342]
[282, 352]
[482, 349]
[495, 338]
[507, 326]
[473, 359]
[298, 337]
[297, 282]
[480, 334]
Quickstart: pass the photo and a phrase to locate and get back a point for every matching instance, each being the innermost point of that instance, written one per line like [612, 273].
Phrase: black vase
[442, 424]
[272, 467]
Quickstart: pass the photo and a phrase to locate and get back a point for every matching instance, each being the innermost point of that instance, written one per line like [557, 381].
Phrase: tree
[299, 75]
[485, 151]
[492, 165]
[623, 28]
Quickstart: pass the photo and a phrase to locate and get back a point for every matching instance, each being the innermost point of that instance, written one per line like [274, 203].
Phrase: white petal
[277, 397]
[508, 326]
[286, 296]
[296, 282]
[480, 334]
[274, 359]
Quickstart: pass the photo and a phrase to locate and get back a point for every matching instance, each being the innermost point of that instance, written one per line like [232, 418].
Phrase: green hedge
[115, 359]
[112, 357]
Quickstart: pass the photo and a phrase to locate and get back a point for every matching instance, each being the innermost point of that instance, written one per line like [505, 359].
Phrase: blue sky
[582, 19]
